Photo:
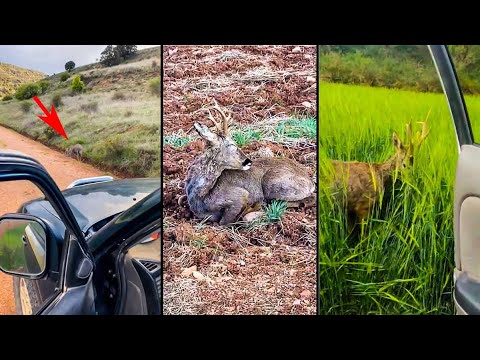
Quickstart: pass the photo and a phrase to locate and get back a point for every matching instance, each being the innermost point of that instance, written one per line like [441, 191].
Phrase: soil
[63, 170]
[209, 269]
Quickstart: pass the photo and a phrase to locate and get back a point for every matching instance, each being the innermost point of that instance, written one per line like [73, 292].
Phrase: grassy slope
[404, 264]
[11, 77]
[117, 134]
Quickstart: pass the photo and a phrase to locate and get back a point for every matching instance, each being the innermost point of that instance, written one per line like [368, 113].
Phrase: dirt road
[63, 170]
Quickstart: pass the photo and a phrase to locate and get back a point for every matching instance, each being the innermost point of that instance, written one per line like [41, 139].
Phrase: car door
[73, 264]
[466, 292]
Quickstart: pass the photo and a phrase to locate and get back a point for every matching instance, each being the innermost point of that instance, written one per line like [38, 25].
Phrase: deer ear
[205, 133]
[396, 141]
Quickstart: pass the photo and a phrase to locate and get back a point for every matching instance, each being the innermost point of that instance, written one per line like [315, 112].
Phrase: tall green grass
[403, 262]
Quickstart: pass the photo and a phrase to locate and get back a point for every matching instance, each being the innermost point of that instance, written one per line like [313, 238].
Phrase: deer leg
[249, 209]
[233, 206]
[307, 202]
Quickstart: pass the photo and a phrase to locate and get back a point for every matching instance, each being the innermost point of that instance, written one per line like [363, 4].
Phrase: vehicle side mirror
[23, 246]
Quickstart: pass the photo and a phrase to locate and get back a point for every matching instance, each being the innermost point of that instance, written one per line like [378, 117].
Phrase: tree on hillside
[69, 66]
[110, 56]
[113, 55]
[127, 50]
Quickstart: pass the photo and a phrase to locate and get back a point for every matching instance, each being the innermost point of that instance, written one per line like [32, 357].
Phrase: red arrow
[51, 118]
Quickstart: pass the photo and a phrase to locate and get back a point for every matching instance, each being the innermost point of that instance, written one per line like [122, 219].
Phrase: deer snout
[246, 164]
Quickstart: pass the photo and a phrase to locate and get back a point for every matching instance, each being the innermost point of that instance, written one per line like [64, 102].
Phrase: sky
[51, 59]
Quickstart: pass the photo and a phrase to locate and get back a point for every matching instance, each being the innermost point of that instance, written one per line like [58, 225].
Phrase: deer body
[224, 184]
[364, 182]
[75, 151]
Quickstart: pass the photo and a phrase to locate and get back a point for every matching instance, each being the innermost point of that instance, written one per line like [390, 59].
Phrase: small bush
[154, 86]
[275, 210]
[242, 138]
[27, 91]
[77, 84]
[49, 133]
[26, 106]
[57, 100]
[7, 97]
[118, 96]
[43, 86]
[64, 77]
[90, 107]
[154, 64]
[177, 140]
[128, 113]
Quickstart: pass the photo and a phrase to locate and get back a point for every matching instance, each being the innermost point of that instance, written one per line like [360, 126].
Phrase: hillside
[12, 76]
[397, 66]
[116, 119]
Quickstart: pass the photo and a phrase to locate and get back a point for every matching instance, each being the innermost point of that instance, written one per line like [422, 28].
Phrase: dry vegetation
[116, 119]
[11, 77]
[266, 266]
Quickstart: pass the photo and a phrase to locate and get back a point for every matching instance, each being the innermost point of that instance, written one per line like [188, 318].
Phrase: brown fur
[75, 151]
[223, 184]
[364, 182]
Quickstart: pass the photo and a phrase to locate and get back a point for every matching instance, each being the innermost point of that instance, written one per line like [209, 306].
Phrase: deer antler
[409, 139]
[226, 119]
[424, 133]
[217, 124]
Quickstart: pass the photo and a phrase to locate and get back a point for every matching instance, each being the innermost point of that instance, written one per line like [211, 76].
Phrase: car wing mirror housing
[24, 246]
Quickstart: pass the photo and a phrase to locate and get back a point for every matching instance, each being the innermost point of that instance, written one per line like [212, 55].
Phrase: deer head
[223, 150]
[405, 152]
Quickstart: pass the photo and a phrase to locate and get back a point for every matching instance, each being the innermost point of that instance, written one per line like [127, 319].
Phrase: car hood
[95, 202]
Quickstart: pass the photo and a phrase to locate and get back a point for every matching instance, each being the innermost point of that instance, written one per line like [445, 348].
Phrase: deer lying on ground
[364, 183]
[223, 184]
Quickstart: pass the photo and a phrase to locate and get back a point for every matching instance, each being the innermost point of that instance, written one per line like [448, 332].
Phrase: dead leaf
[297, 302]
[311, 79]
[198, 275]
[307, 104]
[305, 294]
[188, 271]
[252, 216]
[172, 51]
[297, 50]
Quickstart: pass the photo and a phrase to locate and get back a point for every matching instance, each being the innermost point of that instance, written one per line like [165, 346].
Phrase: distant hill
[12, 76]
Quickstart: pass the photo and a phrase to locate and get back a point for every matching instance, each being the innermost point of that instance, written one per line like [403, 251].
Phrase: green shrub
[243, 137]
[154, 86]
[77, 84]
[57, 100]
[7, 97]
[64, 77]
[43, 86]
[275, 210]
[26, 106]
[27, 91]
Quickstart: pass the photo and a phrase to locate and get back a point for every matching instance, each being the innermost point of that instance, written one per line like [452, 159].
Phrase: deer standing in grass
[364, 182]
[224, 184]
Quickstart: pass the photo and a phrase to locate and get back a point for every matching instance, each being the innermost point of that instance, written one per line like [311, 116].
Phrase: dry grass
[11, 77]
